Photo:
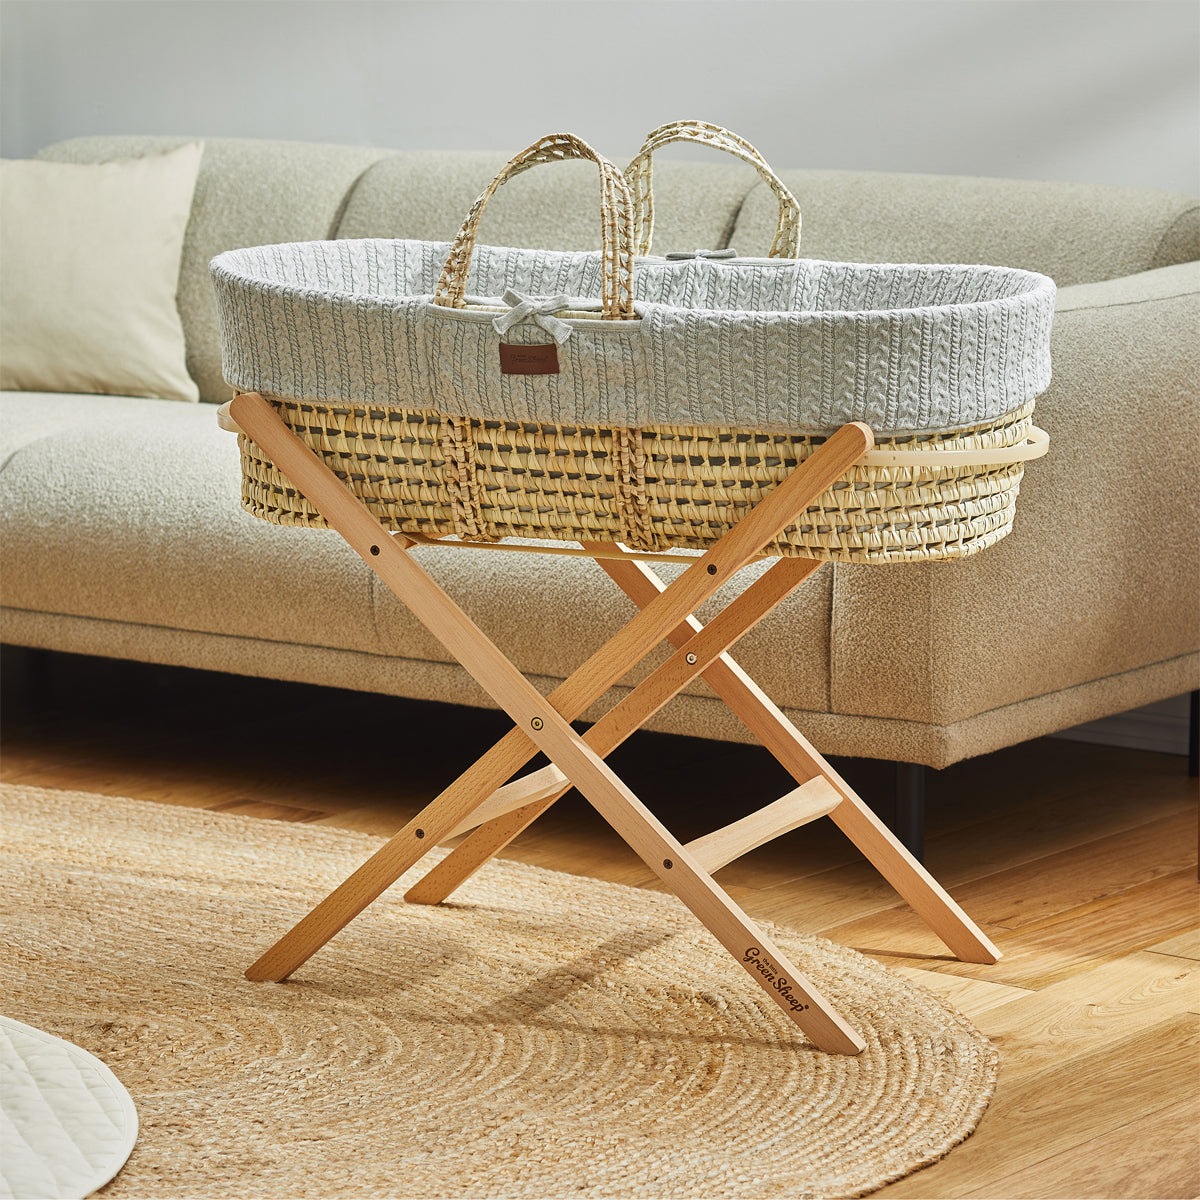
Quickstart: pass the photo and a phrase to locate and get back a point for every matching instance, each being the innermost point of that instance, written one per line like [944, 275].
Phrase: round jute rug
[544, 1035]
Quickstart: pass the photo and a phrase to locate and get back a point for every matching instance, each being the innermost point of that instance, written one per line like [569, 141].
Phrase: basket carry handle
[639, 173]
[616, 226]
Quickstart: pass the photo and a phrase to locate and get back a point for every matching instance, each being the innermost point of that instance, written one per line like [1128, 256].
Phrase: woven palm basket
[653, 489]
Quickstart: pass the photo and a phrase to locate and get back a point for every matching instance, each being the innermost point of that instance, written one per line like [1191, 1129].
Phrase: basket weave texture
[651, 488]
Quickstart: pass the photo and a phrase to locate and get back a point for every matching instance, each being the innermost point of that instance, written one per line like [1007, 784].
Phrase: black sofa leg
[28, 681]
[910, 808]
[1194, 736]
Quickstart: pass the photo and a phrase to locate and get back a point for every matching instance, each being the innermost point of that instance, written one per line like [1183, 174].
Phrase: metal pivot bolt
[536, 723]
[690, 659]
[711, 568]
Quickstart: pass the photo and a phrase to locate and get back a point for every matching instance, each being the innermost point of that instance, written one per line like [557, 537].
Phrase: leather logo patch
[529, 360]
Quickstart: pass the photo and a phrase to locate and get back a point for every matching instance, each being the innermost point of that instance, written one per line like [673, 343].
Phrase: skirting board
[1162, 727]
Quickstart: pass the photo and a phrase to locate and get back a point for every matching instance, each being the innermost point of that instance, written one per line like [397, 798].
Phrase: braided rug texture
[543, 1035]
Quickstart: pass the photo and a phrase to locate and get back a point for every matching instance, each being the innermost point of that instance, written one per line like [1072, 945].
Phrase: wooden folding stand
[484, 800]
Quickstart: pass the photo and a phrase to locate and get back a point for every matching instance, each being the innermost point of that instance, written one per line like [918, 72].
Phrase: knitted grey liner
[790, 345]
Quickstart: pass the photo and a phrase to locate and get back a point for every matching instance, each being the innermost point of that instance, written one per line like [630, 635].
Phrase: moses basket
[705, 401]
[619, 396]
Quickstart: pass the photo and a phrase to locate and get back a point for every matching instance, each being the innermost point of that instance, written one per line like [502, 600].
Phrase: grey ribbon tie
[538, 309]
[676, 255]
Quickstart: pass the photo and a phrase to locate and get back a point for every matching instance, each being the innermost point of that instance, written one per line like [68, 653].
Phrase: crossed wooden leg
[803, 762]
[822, 790]
[480, 794]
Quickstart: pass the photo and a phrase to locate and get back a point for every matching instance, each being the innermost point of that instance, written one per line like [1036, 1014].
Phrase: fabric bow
[730, 252]
[541, 310]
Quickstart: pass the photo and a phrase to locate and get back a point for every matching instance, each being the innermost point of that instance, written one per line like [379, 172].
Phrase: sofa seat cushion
[30, 416]
[132, 515]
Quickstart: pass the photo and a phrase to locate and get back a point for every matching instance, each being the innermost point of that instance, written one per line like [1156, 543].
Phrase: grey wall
[1093, 90]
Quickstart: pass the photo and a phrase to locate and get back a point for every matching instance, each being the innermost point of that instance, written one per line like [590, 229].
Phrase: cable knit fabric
[789, 345]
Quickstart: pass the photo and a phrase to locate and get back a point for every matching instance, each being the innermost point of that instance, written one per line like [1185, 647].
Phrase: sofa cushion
[30, 416]
[91, 257]
[249, 193]
[1073, 232]
[427, 195]
[133, 516]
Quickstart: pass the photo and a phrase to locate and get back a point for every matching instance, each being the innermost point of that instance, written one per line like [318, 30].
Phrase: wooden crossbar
[806, 803]
[529, 789]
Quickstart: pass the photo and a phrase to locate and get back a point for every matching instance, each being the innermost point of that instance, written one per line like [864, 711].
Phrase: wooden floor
[1078, 860]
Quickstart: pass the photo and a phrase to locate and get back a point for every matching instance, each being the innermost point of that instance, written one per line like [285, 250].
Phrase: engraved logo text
[778, 981]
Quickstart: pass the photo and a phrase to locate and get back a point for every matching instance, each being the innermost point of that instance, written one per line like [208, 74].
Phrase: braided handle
[639, 173]
[616, 226]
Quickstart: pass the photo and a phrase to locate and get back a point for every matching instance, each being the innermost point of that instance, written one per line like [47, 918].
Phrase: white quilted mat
[66, 1123]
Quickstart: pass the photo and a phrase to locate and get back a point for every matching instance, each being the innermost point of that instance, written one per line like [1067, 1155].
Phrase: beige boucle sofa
[122, 534]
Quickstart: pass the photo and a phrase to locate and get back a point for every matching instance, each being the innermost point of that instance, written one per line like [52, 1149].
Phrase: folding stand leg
[803, 762]
[549, 721]
[747, 701]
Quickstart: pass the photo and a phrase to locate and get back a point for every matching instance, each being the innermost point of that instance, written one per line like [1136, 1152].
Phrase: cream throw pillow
[89, 264]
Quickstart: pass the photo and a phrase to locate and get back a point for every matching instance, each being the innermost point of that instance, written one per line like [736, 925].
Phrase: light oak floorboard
[1039, 955]
[1075, 1100]
[1090, 1010]
[1155, 1156]
[1183, 945]
[971, 997]
[1057, 883]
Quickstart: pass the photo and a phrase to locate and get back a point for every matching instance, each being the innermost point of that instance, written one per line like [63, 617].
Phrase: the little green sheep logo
[779, 982]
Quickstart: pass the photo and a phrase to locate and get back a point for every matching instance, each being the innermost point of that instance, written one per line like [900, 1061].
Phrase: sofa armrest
[1100, 574]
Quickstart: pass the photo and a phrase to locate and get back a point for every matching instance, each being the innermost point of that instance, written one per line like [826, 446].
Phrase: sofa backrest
[1073, 232]
[554, 207]
[253, 192]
